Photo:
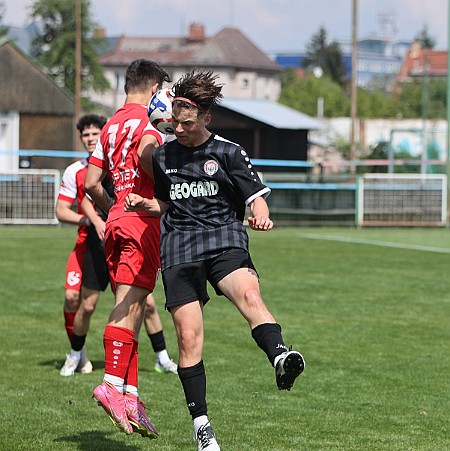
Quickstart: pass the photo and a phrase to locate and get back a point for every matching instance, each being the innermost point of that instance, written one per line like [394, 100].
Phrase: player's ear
[207, 118]
[155, 88]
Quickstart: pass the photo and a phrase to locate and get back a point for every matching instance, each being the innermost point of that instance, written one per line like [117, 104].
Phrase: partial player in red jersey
[131, 242]
[71, 191]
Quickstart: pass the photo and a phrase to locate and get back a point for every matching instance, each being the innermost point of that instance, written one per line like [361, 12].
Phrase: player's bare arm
[145, 153]
[64, 213]
[260, 215]
[93, 187]
[91, 213]
[154, 207]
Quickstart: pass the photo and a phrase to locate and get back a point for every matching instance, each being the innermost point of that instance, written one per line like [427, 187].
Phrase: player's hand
[134, 202]
[100, 229]
[260, 223]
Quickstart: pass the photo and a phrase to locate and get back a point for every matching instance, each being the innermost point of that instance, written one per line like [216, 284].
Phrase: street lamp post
[318, 72]
[353, 79]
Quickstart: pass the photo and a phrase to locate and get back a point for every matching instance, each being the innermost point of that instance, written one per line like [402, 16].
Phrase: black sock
[193, 379]
[268, 338]
[158, 342]
[77, 342]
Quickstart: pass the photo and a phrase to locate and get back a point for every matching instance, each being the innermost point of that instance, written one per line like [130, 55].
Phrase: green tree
[409, 101]
[426, 41]
[437, 99]
[327, 56]
[54, 48]
[302, 95]
[3, 28]
[375, 104]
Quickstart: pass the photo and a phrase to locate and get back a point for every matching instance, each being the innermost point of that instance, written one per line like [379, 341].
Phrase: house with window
[251, 82]
[35, 113]
[249, 114]
[243, 68]
[420, 62]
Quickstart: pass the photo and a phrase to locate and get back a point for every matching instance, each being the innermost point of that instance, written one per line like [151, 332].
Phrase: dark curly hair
[198, 86]
[91, 119]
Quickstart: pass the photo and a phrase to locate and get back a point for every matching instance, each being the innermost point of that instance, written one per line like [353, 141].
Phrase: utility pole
[354, 99]
[448, 112]
[77, 68]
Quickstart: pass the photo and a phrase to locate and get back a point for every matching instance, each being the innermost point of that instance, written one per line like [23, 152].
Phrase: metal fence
[28, 196]
[299, 196]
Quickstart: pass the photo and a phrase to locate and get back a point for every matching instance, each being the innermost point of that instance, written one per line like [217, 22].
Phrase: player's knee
[150, 309]
[72, 301]
[88, 309]
[188, 341]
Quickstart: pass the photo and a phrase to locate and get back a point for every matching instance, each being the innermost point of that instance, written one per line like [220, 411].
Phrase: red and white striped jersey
[72, 187]
[116, 153]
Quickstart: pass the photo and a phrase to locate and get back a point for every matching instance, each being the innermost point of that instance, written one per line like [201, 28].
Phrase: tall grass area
[372, 321]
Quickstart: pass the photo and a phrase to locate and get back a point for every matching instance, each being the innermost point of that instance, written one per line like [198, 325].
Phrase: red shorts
[75, 265]
[132, 251]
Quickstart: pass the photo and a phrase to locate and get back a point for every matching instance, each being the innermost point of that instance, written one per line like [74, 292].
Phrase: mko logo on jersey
[194, 189]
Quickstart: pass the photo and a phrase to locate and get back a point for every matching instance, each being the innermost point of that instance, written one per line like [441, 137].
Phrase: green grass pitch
[368, 308]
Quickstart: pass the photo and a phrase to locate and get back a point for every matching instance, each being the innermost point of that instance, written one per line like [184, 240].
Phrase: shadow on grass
[57, 364]
[98, 440]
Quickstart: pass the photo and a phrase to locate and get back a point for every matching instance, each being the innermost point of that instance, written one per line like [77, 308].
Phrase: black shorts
[187, 282]
[95, 269]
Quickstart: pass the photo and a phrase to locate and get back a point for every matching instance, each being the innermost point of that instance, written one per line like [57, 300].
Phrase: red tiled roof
[229, 47]
[414, 63]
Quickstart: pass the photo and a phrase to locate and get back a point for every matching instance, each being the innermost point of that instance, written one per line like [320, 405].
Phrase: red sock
[118, 344]
[132, 375]
[69, 318]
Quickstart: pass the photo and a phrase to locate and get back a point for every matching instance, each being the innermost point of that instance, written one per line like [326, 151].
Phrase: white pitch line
[414, 247]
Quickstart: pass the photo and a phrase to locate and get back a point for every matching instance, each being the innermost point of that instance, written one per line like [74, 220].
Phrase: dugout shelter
[266, 129]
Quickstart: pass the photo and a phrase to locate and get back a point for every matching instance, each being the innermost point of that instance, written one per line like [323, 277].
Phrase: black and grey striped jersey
[207, 188]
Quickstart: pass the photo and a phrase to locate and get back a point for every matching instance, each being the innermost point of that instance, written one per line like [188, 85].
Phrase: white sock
[117, 382]
[131, 389]
[199, 422]
[76, 354]
[163, 357]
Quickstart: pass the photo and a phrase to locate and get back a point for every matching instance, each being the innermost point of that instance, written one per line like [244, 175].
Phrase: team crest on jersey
[73, 278]
[211, 167]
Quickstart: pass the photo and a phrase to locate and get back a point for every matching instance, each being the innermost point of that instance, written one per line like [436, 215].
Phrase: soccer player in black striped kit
[202, 185]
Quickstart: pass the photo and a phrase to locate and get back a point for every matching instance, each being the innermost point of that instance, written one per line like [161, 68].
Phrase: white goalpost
[402, 200]
[28, 196]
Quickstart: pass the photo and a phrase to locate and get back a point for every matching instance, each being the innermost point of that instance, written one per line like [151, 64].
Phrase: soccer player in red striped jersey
[131, 242]
[83, 282]
[71, 191]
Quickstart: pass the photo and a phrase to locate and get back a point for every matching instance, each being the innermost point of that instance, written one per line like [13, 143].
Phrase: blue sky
[273, 25]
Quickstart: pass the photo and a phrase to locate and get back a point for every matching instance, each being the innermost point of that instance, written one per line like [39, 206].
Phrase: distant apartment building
[379, 61]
